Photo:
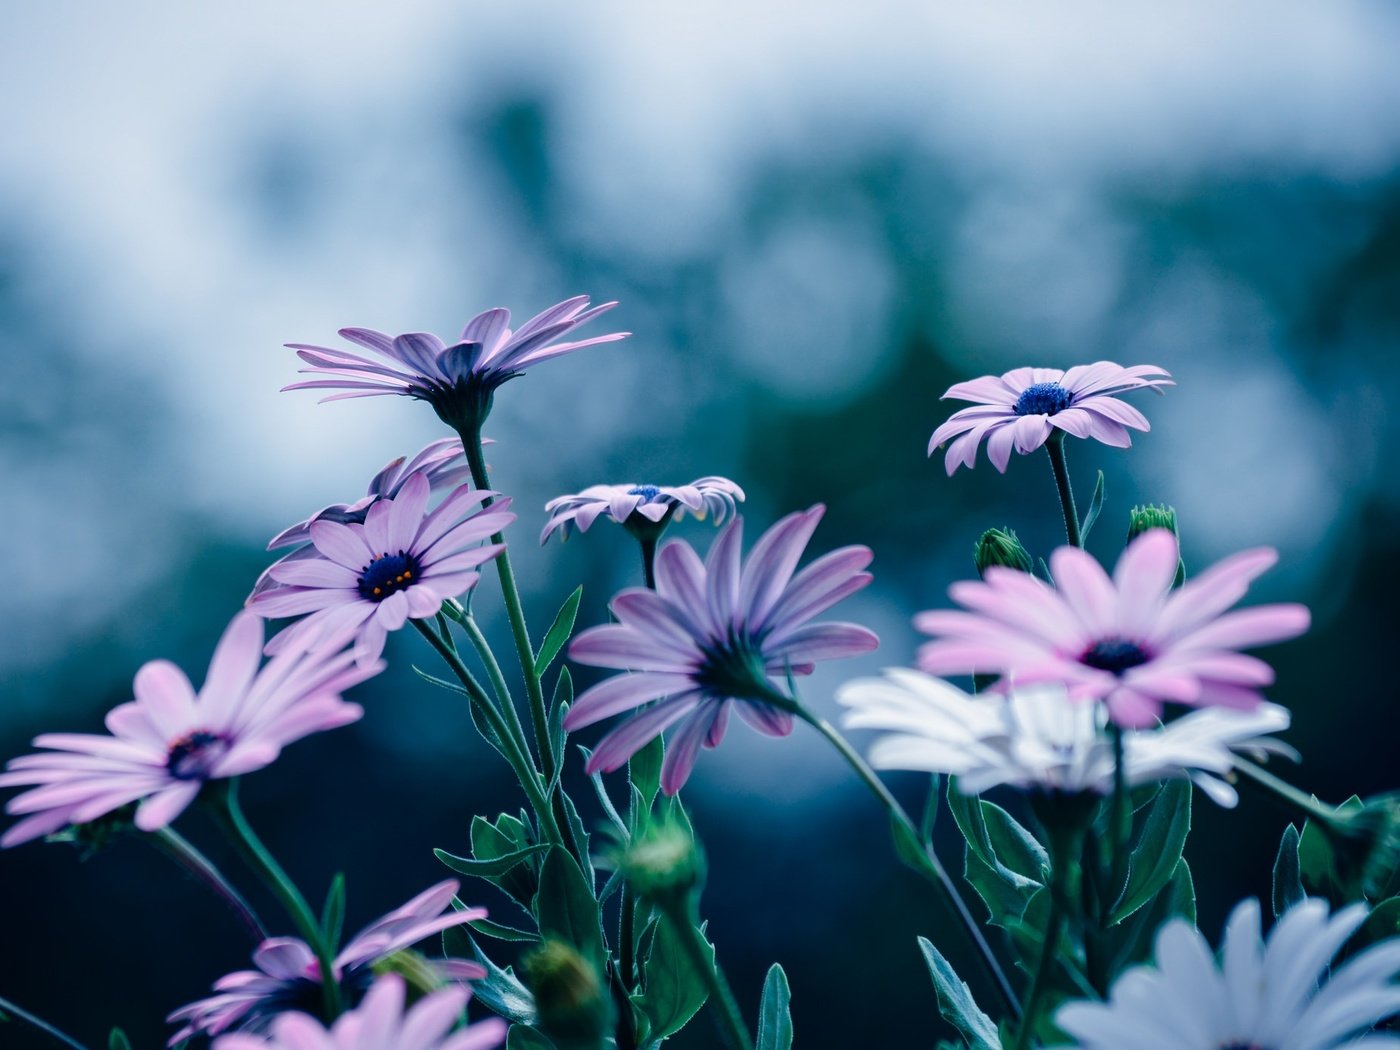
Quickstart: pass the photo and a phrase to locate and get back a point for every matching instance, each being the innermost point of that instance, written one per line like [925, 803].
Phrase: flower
[457, 380]
[1026, 405]
[167, 742]
[441, 461]
[366, 579]
[1038, 738]
[709, 638]
[1272, 995]
[644, 507]
[288, 976]
[380, 1023]
[1132, 641]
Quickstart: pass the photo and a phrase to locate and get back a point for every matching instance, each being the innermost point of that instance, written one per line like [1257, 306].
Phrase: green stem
[1286, 791]
[649, 561]
[7, 1007]
[179, 849]
[493, 673]
[1119, 820]
[515, 612]
[728, 1019]
[1055, 446]
[1065, 844]
[933, 866]
[257, 857]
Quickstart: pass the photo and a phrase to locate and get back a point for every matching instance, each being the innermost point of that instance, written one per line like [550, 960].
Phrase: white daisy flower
[1037, 738]
[1274, 995]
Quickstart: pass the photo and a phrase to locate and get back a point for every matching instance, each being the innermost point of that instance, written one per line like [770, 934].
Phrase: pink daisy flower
[645, 507]
[1022, 408]
[166, 744]
[707, 640]
[288, 976]
[1131, 640]
[368, 579]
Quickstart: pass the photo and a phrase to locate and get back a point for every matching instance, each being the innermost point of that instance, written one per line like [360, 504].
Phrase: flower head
[288, 976]
[1272, 995]
[1132, 641]
[365, 580]
[710, 636]
[380, 1023]
[641, 508]
[1022, 408]
[1038, 739]
[457, 380]
[170, 740]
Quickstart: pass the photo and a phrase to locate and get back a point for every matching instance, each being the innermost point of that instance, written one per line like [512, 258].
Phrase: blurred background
[816, 218]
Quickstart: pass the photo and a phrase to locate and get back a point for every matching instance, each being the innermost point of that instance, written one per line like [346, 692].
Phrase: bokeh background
[816, 216]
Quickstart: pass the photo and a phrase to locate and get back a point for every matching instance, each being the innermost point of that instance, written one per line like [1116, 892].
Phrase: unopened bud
[1000, 547]
[663, 862]
[1156, 516]
[574, 1009]
[417, 972]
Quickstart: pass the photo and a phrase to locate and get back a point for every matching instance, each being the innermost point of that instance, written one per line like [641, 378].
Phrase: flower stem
[7, 1007]
[1119, 822]
[493, 672]
[1285, 791]
[1055, 446]
[649, 561]
[728, 1019]
[933, 867]
[1065, 846]
[257, 856]
[179, 849]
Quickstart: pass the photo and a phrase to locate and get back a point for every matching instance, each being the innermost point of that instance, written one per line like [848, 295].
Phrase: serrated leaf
[1095, 508]
[500, 989]
[521, 1037]
[489, 868]
[644, 770]
[672, 991]
[1288, 873]
[956, 1004]
[774, 1015]
[559, 631]
[567, 909]
[501, 932]
[333, 911]
[1158, 849]
[581, 836]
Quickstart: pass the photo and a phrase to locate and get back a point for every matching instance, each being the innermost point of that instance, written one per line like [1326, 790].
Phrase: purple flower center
[1043, 399]
[304, 994]
[386, 574]
[733, 668]
[194, 754]
[1115, 655]
[647, 492]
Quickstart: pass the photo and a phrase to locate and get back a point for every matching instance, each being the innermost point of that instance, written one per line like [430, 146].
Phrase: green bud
[1366, 841]
[417, 972]
[663, 863]
[1156, 516]
[1000, 547]
[96, 835]
[574, 1008]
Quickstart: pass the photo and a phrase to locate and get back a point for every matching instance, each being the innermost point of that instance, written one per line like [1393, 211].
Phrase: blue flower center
[647, 492]
[1115, 655]
[733, 668]
[388, 573]
[194, 754]
[1043, 399]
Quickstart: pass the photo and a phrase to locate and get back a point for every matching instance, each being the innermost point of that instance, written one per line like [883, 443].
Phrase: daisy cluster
[1092, 705]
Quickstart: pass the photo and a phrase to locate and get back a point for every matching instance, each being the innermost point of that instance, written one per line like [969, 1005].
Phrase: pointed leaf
[1288, 873]
[930, 814]
[482, 726]
[1154, 858]
[604, 799]
[567, 909]
[672, 990]
[501, 932]
[492, 867]
[521, 1037]
[117, 1040]
[559, 631]
[644, 770]
[500, 989]
[774, 1017]
[1095, 508]
[333, 912]
[956, 1004]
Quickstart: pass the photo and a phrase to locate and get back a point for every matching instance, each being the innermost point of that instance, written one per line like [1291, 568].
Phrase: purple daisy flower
[457, 380]
[366, 580]
[1132, 641]
[644, 507]
[1022, 408]
[288, 976]
[442, 462]
[381, 1023]
[170, 740]
[709, 638]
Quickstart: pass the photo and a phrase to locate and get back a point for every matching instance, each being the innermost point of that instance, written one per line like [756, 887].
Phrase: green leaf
[1004, 890]
[1130, 942]
[930, 814]
[672, 991]
[567, 909]
[956, 1004]
[559, 631]
[559, 707]
[604, 799]
[492, 841]
[502, 932]
[644, 770]
[1005, 893]
[1382, 924]
[500, 989]
[1288, 873]
[580, 835]
[333, 912]
[774, 1017]
[908, 846]
[521, 1037]
[490, 867]
[1095, 508]
[118, 1040]
[1158, 849]
[482, 726]
[1013, 846]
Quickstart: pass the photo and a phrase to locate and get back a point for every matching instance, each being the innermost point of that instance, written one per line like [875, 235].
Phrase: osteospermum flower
[288, 976]
[457, 380]
[707, 640]
[366, 580]
[1022, 408]
[442, 462]
[170, 740]
[1039, 739]
[644, 508]
[1261, 995]
[380, 1023]
[1132, 641]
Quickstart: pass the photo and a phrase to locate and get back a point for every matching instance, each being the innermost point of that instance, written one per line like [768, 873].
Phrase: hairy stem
[1055, 446]
[38, 1023]
[728, 1018]
[179, 849]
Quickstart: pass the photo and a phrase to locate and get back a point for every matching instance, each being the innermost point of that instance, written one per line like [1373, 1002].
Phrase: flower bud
[1156, 516]
[574, 1009]
[1366, 841]
[663, 863]
[417, 972]
[1000, 547]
